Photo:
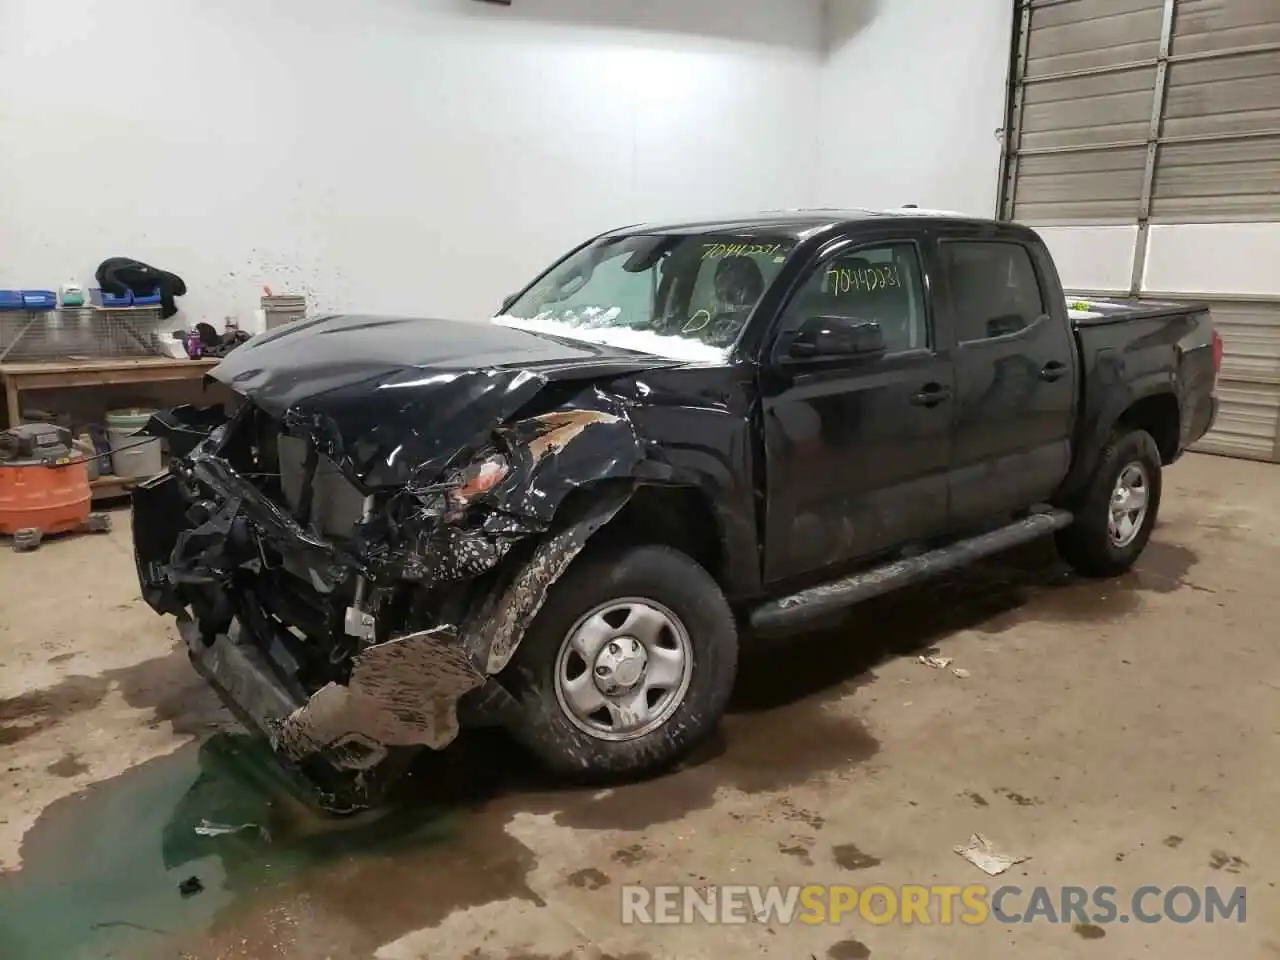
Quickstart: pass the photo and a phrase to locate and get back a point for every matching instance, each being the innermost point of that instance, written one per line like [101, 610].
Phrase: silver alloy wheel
[1129, 501]
[623, 669]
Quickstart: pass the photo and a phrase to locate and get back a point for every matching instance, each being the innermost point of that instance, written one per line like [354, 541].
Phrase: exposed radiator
[335, 503]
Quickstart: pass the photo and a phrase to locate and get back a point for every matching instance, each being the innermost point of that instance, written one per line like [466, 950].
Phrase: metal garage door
[1146, 133]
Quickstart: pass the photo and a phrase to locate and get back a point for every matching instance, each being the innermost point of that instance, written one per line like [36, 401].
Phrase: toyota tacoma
[564, 520]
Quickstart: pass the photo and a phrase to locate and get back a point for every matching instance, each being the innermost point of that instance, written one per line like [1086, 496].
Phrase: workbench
[19, 378]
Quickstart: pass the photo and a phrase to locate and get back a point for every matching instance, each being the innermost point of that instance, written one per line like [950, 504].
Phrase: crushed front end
[352, 623]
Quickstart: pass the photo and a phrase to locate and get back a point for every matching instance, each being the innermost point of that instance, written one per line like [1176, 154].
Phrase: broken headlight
[478, 479]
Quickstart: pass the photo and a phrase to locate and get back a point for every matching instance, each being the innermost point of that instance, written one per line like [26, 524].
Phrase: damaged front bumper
[344, 739]
[265, 602]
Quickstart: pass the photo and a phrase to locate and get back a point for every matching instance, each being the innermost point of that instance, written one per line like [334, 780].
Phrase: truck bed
[1142, 351]
[1089, 312]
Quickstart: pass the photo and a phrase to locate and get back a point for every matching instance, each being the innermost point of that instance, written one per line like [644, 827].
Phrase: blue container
[39, 300]
[152, 297]
[103, 299]
[11, 300]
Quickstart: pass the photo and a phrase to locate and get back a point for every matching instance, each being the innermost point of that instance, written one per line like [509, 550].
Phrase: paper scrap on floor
[207, 828]
[982, 854]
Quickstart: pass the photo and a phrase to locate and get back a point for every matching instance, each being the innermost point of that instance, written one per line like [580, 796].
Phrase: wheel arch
[1154, 409]
[1160, 416]
[682, 517]
[609, 512]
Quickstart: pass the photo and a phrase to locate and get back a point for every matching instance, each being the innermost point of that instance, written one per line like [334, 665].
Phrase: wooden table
[60, 374]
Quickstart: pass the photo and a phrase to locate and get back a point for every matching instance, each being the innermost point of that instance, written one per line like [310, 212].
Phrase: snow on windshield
[590, 329]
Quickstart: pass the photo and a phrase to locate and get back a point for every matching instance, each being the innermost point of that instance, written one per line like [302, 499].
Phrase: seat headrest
[739, 281]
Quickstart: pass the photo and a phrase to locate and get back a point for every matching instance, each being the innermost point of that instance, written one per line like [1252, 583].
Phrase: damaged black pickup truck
[563, 520]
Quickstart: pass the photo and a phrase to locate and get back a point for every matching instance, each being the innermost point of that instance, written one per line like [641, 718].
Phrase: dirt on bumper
[344, 740]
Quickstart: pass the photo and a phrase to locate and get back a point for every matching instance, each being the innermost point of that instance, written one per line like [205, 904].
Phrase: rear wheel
[627, 667]
[1115, 516]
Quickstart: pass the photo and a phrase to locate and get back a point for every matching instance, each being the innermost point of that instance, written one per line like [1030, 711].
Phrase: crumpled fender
[558, 452]
[588, 442]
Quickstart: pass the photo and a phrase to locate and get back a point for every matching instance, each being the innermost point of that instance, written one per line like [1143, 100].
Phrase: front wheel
[1116, 514]
[627, 667]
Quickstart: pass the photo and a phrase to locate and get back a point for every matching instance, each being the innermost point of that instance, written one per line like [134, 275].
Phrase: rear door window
[994, 288]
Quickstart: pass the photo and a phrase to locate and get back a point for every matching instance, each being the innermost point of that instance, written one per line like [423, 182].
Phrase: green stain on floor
[101, 869]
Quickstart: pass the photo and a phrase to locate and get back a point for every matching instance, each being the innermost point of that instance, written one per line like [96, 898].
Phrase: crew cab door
[1015, 367]
[856, 446]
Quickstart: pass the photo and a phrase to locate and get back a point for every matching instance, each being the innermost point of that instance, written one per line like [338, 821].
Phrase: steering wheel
[726, 326]
[697, 323]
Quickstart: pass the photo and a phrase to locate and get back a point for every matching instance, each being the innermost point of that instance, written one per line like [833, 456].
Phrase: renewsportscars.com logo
[943, 905]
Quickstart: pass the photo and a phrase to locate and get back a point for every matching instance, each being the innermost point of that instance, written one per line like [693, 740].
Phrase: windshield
[681, 296]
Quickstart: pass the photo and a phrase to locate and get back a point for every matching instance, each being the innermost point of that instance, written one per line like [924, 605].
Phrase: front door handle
[1053, 370]
[931, 394]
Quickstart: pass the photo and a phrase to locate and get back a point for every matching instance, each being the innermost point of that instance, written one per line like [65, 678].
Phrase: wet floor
[105, 869]
[841, 757]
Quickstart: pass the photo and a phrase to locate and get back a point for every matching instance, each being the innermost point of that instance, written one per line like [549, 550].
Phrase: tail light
[1217, 354]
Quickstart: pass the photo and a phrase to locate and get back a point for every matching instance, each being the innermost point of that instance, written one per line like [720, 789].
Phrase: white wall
[1093, 258]
[913, 95]
[385, 155]
[1205, 258]
[1181, 258]
[428, 156]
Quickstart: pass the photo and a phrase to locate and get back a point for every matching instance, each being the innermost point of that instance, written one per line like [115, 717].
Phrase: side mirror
[822, 337]
[507, 301]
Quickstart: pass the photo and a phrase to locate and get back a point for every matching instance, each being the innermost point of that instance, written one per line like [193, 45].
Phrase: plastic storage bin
[279, 309]
[101, 298]
[151, 298]
[39, 300]
[11, 300]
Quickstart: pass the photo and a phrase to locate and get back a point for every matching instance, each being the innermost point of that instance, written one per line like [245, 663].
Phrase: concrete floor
[1118, 733]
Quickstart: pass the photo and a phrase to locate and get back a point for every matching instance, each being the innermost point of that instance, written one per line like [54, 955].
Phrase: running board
[828, 598]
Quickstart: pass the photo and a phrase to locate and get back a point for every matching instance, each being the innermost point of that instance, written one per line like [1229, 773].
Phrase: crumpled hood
[387, 398]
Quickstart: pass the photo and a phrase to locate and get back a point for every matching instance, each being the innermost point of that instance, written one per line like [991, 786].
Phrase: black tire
[1087, 544]
[656, 573]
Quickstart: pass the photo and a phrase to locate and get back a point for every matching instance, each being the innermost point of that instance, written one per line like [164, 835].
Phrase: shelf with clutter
[95, 361]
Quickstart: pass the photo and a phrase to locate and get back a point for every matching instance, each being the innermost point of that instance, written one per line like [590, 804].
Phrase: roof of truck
[798, 223]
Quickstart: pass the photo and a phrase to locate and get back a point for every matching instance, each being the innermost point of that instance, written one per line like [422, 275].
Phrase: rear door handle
[1053, 370]
[931, 394]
